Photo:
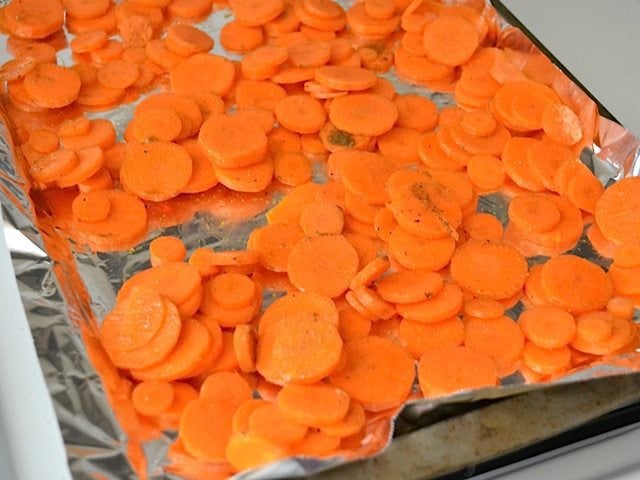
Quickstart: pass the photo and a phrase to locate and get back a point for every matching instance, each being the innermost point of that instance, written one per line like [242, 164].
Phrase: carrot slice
[135, 30]
[415, 252]
[97, 95]
[233, 141]
[321, 218]
[156, 171]
[491, 144]
[534, 213]
[52, 86]
[232, 290]
[409, 286]
[252, 178]
[377, 373]
[239, 38]
[312, 305]
[353, 324]
[250, 14]
[53, 166]
[118, 74]
[203, 72]
[446, 370]
[187, 40]
[273, 243]
[90, 161]
[473, 259]
[546, 361]
[91, 207]
[433, 156]
[299, 350]
[323, 264]
[244, 452]
[189, 8]
[363, 114]
[437, 37]
[594, 327]
[244, 345]
[484, 308]
[107, 22]
[384, 223]
[444, 304]
[240, 422]
[419, 337]
[622, 332]
[548, 327]
[186, 108]
[43, 140]
[364, 174]
[228, 387]
[345, 78]
[499, 337]
[166, 249]
[89, 41]
[516, 164]
[575, 284]
[416, 112]
[622, 307]
[33, 19]
[153, 125]
[316, 405]
[74, 126]
[101, 133]
[615, 211]
[152, 398]
[300, 113]
[561, 124]
[205, 428]
[482, 226]
[270, 423]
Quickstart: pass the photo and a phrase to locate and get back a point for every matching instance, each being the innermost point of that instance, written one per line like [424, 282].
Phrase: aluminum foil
[67, 292]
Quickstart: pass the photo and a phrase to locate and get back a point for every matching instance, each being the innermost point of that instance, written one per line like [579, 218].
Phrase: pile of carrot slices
[385, 263]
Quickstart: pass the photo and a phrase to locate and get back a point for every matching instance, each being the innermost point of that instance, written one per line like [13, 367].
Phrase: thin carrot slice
[33, 19]
[370, 273]
[110, 52]
[516, 164]
[300, 113]
[158, 53]
[156, 125]
[166, 249]
[482, 226]
[416, 112]
[152, 398]
[214, 74]
[252, 178]
[318, 22]
[186, 108]
[232, 290]
[43, 140]
[484, 308]
[273, 243]
[622, 307]
[446, 370]
[228, 387]
[135, 30]
[89, 41]
[486, 172]
[311, 305]
[437, 37]
[316, 405]
[97, 95]
[205, 428]
[298, 350]
[106, 22]
[118, 74]
[364, 174]
[575, 284]
[233, 141]
[409, 286]
[244, 452]
[74, 126]
[433, 156]
[239, 38]
[561, 124]
[594, 327]
[187, 40]
[323, 8]
[363, 114]
[377, 373]
[240, 423]
[499, 337]
[548, 327]
[444, 304]
[415, 252]
[101, 133]
[534, 213]
[323, 264]
[615, 211]
[492, 144]
[400, 145]
[203, 176]
[90, 161]
[252, 14]
[192, 346]
[622, 332]
[321, 218]
[270, 423]
[345, 78]
[584, 190]
[546, 361]
[52, 86]
[419, 337]
[353, 324]
[91, 207]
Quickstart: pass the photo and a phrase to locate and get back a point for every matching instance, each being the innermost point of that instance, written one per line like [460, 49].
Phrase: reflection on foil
[63, 295]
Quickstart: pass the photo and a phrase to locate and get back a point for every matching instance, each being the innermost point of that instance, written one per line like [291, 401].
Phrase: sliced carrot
[158, 53]
[233, 141]
[486, 172]
[316, 405]
[227, 387]
[615, 211]
[249, 451]
[321, 218]
[622, 307]
[546, 361]
[250, 14]
[74, 126]
[416, 112]
[111, 51]
[483, 308]
[107, 22]
[575, 284]
[189, 8]
[205, 428]
[482, 226]
[118, 74]
[92, 207]
[214, 74]
[152, 398]
[33, 19]
[43, 140]
[415, 252]
[622, 332]
[353, 324]
[274, 243]
[364, 174]
[300, 113]
[446, 370]
[227, 360]
[284, 23]
[239, 38]
[548, 327]
[324, 264]
[377, 373]
[298, 350]
[166, 249]
[252, 178]
[90, 161]
[244, 345]
[311, 305]
[187, 40]
[433, 156]
[153, 125]
[135, 30]
[594, 326]
[499, 337]
[52, 86]
[534, 213]
[101, 133]
[444, 304]
[561, 124]
[240, 422]
[363, 114]
[516, 165]
[270, 423]
[319, 22]
[97, 95]
[437, 40]
[89, 41]
[345, 78]
[474, 258]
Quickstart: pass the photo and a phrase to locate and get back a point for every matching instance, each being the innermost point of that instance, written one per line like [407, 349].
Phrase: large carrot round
[616, 211]
[446, 370]
[233, 141]
[308, 304]
[363, 114]
[444, 304]
[377, 372]
[33, 19]
[315, 405]
[548, 327]
[203, 72]
[500, 337]
[414, 252]
[52, 86]
[473, 260]
[450, 40]
[420, 337]
[324, 264]
[205, 428]
[152, 398]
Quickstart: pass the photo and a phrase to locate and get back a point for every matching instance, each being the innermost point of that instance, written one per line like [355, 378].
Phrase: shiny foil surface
[67, 292]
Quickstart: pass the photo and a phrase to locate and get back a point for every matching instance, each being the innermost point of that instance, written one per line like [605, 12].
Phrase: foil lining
[66, 293]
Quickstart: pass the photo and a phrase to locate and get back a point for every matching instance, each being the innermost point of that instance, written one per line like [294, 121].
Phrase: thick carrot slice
[251, 178]
[478, 124]
[298, 350]
[156, 171]
[187, 40]
[483, 308]
[273, 243]
[516, 164]
[152, 398]
[491, 144]
[156, 125]
[191, 348]
[548, 327]
[534, 213]
[53, 166]
[345, 78]
[186, 108]
[353, 324]
[377, 373]
[52, 86]
[90, 161]
[43, 140]
[101, 133]
[166, 249]
[316, 405]
[416, 112]
[203, 72]
[363, 114]
[622, 332]
[482, 226]
[89, 41]
[118, 74]
[145, 356]
[233, 141]
[135, 30]
[351, 424]
[575, 284]
[252, 14]
[232, 290]
[409, 286]
[594, 326]
[240, 422]
[444, 304]
[615, 211]
[270, 423]
[33, 19]
[189, 8]
[400, 145]
[244, 345]
[546, 361]
[74, 126]
[307, 304]
[499, 337]
[205, 428]
[420, 337]
[300, 113]
[415, 252]
[437, 37]
[323, 264]
[446, 370]
[622, 307]
[561, 124]
[239, 38]
[323, 8]
[473, 259]
[249, 451]
[228, 387]
[111, 51]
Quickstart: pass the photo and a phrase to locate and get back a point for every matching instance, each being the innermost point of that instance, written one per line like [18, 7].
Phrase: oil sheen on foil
[63, 297]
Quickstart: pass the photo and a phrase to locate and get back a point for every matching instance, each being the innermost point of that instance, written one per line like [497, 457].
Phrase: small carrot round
[135, 30]
[244, 345]
[324, 264]
[615, 211]
[91, 207]
[446, 370]
[364, 175]
[205, 428]
[478, 124]
[548, 327]
[118, 74]
[363, 114]
[232, 290]
[444, 304]
[622, 332]
[534, 213]
[321, 218]
[377, 372]
[187, 40]
[546, 361]
[156, 125]
[74, 126]
[227, 387]
[239, 38]
[166, 249]
[240, 422]
[316, 405]
[43, 140]
[483, 226]
[291, 168]
[483, 308]
[270, 423]
[152, 398]
[500, 337]
[594, 326]
[33, 19]
[273, 243]
[300, 113]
